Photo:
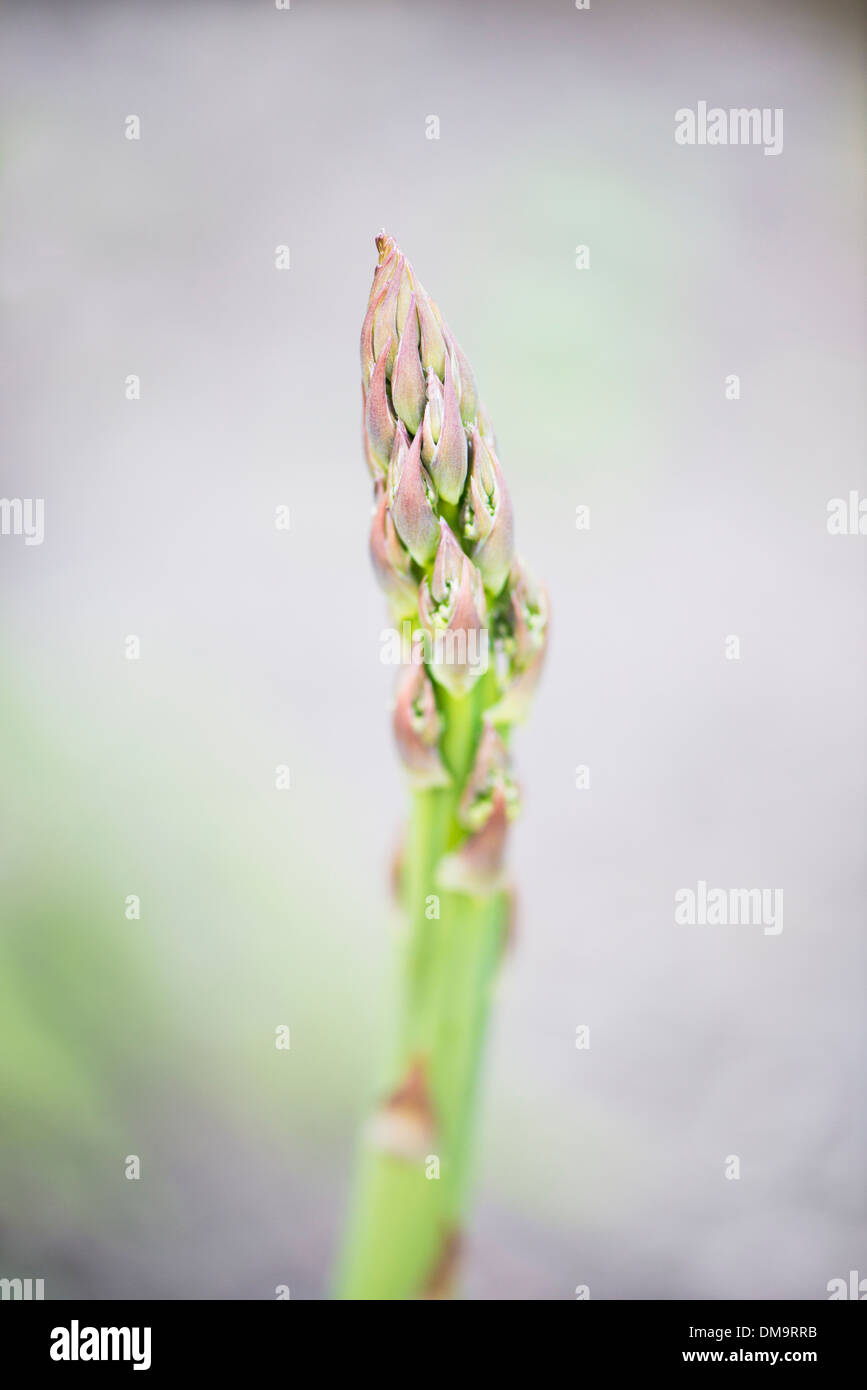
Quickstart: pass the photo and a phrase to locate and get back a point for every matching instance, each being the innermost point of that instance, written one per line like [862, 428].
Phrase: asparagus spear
[442, 546]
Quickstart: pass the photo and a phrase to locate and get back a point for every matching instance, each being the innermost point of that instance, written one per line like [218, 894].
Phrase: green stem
[404, 1216]
[475, 957]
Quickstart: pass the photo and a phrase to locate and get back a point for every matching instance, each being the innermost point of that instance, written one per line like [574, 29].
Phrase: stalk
[442, 546]
[405, 1221]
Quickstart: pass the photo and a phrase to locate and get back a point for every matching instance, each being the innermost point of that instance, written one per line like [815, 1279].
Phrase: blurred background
[259, 647]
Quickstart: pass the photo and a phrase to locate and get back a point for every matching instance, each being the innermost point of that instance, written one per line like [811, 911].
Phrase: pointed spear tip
[385, 244]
